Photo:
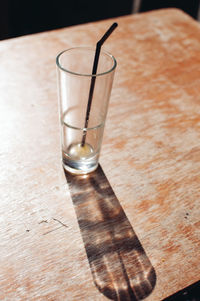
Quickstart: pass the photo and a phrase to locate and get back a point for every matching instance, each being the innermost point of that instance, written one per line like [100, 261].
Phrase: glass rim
[85, 74]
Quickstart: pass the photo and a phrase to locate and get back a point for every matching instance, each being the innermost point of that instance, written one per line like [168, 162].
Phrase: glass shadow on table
[120, 267]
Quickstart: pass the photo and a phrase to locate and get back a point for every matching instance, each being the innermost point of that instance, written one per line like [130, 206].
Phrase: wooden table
[150, 221]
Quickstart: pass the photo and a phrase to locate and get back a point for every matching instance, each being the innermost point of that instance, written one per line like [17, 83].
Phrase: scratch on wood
[43, 221]
[52, 230]
[55, 219]
[62, 225]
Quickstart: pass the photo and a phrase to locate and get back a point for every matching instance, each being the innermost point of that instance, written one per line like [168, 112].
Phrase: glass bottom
[79, 171]
[80, 159]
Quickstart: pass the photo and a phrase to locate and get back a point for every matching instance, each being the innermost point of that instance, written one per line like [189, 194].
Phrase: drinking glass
[82, 121]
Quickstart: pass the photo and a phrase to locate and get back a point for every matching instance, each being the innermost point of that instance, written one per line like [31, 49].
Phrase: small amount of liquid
[79, 151]
[80, 159]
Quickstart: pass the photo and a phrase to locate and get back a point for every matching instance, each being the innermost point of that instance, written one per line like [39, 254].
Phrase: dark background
[20, 17]
[190, 7]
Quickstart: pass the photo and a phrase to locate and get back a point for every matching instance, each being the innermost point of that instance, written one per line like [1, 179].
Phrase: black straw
[94, 71]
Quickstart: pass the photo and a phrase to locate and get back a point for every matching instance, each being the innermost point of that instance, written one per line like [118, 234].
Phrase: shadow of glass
[120, 267]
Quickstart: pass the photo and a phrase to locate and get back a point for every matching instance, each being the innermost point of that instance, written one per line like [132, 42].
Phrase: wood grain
[150, 156]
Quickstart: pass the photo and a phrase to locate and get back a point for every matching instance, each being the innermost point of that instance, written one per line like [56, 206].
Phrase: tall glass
[81, 140]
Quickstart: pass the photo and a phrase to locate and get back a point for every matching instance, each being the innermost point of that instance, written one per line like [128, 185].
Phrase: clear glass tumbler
[82, 127]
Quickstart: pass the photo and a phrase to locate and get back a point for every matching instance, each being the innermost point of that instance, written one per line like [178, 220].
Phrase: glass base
[79, 171]
[80, 159]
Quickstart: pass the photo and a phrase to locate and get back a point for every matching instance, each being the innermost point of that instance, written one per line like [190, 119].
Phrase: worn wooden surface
[150, 155]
